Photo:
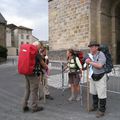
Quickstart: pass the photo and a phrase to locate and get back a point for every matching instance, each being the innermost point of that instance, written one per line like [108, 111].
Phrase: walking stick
[44, 82]
[62, 76]
[88, 95]
[39, 78]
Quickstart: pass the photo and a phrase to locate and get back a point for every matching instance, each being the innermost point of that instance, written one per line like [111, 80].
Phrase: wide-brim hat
[93, 43]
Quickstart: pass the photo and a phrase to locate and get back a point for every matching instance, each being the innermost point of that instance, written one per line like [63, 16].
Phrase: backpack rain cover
[26, 59]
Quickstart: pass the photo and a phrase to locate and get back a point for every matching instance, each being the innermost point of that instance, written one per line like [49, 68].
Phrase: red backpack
[79, 54]
[26, 59]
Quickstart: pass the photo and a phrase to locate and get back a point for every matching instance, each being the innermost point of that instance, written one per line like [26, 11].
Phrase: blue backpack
[109, 64]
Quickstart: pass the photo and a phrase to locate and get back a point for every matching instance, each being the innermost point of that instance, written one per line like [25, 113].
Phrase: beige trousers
[43, 86]
[99, 87]
[32, 85]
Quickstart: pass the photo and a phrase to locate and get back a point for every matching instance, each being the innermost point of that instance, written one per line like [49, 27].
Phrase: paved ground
[12, 89]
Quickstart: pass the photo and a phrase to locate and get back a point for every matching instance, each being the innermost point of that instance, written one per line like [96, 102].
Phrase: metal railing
[114, 80]
[59, 78]
[113, 84]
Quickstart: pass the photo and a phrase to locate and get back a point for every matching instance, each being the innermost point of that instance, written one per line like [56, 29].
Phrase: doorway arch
[116, 31]
[108, 22]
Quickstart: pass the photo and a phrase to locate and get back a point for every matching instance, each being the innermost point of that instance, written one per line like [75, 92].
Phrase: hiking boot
[100, 114]
[37, 109]
[40, 98]
[78, 98]
[26, 109]
[92, 109]
[49, 97]
[71, 98]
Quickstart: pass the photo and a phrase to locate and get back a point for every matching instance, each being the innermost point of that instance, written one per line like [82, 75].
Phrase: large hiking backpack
[109, 65]
[78, 54]
[26, 59]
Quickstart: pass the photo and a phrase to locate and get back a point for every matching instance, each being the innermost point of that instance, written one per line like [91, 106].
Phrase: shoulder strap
[74, 57]
[97, 56]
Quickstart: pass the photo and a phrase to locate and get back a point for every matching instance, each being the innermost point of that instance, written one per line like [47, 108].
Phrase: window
[22, 36]
[12, 34]
[27, 37]
[27, 32]
[22, 42]
[21, 31]
[13, 43]
[27, 42]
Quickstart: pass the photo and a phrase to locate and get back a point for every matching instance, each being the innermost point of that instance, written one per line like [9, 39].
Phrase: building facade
[23, 35]
[17, 35]
[10, 39]
[3, 23]
[74, 23]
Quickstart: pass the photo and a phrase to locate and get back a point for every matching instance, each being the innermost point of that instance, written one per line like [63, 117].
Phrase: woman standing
[75, 72]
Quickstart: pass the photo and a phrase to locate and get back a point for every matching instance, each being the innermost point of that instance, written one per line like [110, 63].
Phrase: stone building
[74, 23]
[3, 23]
[17, 35]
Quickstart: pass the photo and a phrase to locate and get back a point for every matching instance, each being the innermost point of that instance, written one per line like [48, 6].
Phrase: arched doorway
[116, 30]
[109, 26]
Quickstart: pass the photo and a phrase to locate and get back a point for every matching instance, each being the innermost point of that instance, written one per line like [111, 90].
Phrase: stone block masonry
[74, 23]
[68, 24]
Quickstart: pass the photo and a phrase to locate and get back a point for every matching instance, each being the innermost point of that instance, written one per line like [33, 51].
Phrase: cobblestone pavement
[12, 90]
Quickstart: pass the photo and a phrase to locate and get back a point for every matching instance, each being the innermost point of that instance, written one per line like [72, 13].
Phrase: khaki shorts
[74, 78]
[99, 87]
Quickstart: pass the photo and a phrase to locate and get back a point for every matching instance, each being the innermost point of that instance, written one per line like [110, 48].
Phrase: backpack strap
[77, 67]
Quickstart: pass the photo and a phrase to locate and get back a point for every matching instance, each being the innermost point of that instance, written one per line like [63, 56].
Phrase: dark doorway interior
[117, 27]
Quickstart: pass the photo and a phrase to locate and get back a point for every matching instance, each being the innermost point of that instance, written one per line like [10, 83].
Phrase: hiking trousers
[99, 87]
[31, 88]
[43, 85]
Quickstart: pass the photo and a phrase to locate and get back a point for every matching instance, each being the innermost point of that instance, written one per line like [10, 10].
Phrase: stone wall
[11, 51]
[2, 35]
[73, 23]
[93, 20]
[68, 24]
[60, 55]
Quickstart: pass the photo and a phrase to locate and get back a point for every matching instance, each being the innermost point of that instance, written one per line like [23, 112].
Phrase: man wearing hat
[98, 79]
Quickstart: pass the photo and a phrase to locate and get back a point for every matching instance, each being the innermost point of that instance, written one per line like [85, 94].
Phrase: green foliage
[3, 52]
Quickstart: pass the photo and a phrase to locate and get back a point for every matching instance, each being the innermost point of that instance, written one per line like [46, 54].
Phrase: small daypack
[109, 65]
[79, 54]
[26, 59]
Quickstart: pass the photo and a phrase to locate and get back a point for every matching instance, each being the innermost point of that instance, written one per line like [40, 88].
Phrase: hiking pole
[44, 82]
[39, 88]
[81, 94]
[62, 76]
[88, 95]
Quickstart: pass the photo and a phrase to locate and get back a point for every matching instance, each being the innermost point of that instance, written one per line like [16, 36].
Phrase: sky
[28, 13]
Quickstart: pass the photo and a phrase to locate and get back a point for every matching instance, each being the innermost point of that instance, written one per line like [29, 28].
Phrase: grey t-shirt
[99, 58]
